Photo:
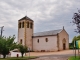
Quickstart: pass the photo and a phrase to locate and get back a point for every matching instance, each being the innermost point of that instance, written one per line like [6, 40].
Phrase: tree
[22, 49]
[76, 20]
[14, 46]
[6, 45]
[75, 38]
[78, 37]
[4, 50]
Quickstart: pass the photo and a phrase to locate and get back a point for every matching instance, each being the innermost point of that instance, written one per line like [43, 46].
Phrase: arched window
[31, 25]
[46, 39]
[22, 24]
[27, 24]
[38, 40]
[20, 41]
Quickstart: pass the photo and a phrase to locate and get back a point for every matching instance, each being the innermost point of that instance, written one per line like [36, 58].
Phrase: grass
[19, 58]
[73, 58]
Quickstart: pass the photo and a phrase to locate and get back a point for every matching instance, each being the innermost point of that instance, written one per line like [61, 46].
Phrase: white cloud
[47, 14]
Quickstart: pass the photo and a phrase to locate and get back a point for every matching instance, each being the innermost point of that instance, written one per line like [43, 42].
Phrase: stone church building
[54, 40]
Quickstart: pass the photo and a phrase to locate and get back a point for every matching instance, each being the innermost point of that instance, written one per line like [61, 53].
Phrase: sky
[47, 15]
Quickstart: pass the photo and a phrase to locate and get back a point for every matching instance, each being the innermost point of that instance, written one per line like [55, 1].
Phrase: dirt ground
[59, 55]
[64, 52]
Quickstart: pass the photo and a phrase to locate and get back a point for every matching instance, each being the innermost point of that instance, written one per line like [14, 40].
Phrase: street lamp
[1, 30]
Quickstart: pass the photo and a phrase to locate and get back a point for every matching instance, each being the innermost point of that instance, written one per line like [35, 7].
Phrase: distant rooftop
[47, 33]
[25, 18]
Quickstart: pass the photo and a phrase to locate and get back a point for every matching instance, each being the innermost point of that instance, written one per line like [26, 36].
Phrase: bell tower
[25, 32]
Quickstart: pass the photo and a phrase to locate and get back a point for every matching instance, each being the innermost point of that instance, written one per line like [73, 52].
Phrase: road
[62, 55]
[54, 57]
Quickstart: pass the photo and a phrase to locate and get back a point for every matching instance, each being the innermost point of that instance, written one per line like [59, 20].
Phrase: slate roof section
[25, 18]
[47, 33]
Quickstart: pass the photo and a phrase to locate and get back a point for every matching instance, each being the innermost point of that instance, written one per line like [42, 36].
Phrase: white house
[53, 40]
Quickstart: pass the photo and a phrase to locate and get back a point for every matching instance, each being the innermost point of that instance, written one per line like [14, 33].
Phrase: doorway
[64, 46]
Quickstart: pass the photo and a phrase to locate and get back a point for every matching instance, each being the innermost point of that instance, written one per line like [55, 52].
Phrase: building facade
[54, 40]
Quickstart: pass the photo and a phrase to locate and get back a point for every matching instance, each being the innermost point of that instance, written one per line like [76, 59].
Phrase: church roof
[47, 33]
[25, 18]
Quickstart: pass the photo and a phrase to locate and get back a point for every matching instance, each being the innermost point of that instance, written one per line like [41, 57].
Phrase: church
[47, 41]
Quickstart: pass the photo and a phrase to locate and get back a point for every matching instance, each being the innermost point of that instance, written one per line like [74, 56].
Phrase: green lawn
[73, 58]
[19, 58]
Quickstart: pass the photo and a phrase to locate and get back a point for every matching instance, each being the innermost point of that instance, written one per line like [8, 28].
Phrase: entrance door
[64, 46]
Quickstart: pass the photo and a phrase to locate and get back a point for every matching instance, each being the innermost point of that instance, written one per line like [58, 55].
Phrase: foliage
[75, 38]
[22, 49]
[76, 20]
[6, 44]
[73, 58]
[13, 46]
[70, 46]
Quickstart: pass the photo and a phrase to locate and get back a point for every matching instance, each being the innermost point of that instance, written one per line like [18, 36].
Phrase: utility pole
[1, 30]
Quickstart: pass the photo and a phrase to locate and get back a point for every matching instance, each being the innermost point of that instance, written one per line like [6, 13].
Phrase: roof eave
[45, 35]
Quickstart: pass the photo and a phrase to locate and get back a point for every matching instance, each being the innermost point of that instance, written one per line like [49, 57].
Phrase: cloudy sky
[47, 15]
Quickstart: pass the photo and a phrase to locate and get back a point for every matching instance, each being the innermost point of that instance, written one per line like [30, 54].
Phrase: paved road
[53, 57]
[61, 55]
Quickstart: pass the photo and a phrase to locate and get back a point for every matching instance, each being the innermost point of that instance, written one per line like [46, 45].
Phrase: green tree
[13, 46]
[6, 44]
[78, 37]
[22, 49]
[75, 38]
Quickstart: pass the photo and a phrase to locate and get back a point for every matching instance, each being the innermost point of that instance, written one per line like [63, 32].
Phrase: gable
[64, 32]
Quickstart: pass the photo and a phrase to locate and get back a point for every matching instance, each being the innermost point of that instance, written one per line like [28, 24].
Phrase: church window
[20, 41]
[31, 25]
[38, 40]
[22, 24]
[46, 39]
[27, 24]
